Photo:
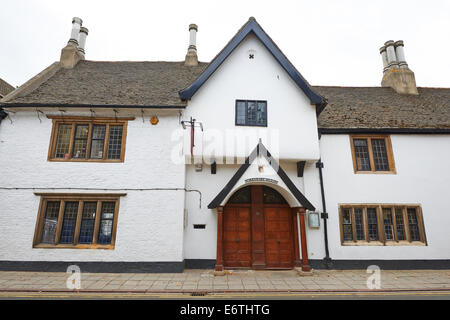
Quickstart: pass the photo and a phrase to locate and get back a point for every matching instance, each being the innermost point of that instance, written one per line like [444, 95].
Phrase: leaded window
[347, 225]
[372, 154]
[381, 224]
[362, 154]
[272, 196]
[87, 139]
[251, 113]
[372, 223]
[243, 195]
[359, 224]
[50, 222]
[77, 221]
[413, 224]
[388, 224]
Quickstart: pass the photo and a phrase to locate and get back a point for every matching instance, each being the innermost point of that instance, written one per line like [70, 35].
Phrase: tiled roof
[142, 84]
[5, 88]
[115, 83]
[381, 107]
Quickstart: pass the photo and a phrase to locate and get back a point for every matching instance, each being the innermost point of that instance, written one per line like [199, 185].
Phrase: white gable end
[291, 131]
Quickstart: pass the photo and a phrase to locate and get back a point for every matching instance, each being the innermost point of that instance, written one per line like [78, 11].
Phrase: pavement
[202, 282]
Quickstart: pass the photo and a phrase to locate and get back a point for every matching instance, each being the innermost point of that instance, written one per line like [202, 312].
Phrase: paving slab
[235, 280]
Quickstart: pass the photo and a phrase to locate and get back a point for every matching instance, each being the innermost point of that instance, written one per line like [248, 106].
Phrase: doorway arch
[259, 230]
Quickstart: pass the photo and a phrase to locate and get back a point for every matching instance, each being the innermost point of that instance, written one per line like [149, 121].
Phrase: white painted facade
[157, 225]
[150, 223]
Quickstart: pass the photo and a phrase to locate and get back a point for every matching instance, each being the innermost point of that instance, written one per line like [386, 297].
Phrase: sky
[329, 42]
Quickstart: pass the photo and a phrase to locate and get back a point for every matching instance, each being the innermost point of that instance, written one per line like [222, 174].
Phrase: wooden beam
[300, 168]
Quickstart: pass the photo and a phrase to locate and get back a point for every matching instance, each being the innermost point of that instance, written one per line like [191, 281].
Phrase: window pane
[98, 141]
[50, 222]
[106, 223]
[272, 196]
[347, 224]
[115, 142]
[87, 222]
[69, 221]
[372, 223]
[359, 224]
[413, 225]
[80, 141]
[380, 157]
[261, 115]
[251, 112]
[63, 141]
[361, 154]
[240, 112]
[388, 224]
[400, 224]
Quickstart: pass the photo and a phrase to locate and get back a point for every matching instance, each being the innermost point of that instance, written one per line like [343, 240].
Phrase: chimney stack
[82, 40]
[396, 73]
[74, 50]
[191, 56]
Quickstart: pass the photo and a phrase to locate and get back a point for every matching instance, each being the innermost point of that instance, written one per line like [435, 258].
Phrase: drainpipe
[327, 260]
[3, 114]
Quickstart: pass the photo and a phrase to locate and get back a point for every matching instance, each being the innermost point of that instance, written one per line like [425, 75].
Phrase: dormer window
[251, 113]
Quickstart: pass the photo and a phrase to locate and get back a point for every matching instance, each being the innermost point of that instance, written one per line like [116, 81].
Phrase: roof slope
[126, 83]
[381, 107]
[5, 87]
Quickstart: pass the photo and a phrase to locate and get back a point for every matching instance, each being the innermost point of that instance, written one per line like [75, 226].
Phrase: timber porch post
[219, 262]
[305, 262]
[297, 262]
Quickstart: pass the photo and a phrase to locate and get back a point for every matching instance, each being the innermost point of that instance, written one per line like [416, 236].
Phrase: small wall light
[154, 120]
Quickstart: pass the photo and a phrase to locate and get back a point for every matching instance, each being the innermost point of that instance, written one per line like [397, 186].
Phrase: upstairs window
[88, 139]
[251, 113]
[372, 154]
[381, 224]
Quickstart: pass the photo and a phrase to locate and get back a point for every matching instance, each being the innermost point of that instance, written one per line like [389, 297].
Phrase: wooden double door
[258, 230]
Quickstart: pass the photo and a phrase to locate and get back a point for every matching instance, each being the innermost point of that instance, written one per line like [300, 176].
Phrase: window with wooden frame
[372, 154]
[88, 139]
[381, 224]
[77, 221]
[251, 113]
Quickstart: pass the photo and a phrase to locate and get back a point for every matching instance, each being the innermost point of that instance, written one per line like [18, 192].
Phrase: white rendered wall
[423, 177]
[292, 124]
[202, 243]
[150, 223]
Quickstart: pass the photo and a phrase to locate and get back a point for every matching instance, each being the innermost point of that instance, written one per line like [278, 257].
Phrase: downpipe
[327, 260]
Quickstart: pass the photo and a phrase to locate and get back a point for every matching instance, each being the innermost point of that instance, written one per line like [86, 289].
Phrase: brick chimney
[396, 73]
[74, 50]
[191, 56]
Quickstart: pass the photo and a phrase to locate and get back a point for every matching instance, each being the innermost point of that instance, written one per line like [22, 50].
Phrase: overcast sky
[330, 42]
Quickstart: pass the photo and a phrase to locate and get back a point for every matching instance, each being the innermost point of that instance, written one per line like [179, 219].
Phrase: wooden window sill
[375, 172]
[388, 243]
[71, 246]
[86, 160]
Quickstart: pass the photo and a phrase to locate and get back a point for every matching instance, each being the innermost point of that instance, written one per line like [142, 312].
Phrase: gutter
[327, 260]
[115, 106]
[384, 130]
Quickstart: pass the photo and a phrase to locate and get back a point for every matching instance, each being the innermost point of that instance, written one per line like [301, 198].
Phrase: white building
[236, 163]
